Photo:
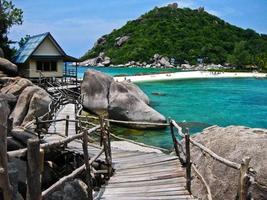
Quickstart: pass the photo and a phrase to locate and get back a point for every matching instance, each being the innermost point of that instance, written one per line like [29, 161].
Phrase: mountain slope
[183, 34]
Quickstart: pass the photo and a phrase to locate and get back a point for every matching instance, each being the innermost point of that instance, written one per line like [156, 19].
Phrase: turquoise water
[201, 103]
[120, 71]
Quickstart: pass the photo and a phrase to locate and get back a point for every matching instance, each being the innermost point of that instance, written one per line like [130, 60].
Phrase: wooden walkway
[138, 175]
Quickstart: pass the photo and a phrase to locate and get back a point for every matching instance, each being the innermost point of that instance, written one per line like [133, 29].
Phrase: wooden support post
[107, 153]
[5, 186]
[65, 72]
[76, 122]
[87, 166]
[40, 79]
[101, 121]
[67, 126]
[244, 180]
[13, 176]
[33, 170]
[38, 128]
[174, 140]
[109, 140]
[76, 68]
[188, 161]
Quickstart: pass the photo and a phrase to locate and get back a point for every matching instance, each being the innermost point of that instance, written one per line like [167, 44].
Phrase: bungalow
[41, 53]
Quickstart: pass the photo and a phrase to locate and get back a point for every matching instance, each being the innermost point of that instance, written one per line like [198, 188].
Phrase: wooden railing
[184, 154]
[35, 151]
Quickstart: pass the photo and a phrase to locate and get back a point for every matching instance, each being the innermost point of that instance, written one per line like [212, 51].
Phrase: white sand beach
[190, 75]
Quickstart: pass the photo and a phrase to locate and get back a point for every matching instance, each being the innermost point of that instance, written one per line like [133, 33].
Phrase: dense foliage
[9, 16]
[185, 34]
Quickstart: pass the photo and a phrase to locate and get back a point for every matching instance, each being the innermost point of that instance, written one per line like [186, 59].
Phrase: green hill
[183, 34]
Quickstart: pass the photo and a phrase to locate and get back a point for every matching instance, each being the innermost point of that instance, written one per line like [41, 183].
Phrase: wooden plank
[138, 175]
[174, 180]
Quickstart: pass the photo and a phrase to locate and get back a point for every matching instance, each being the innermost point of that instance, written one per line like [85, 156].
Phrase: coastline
[189, 75]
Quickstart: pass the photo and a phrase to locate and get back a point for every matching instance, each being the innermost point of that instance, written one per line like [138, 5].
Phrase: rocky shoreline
[157, 61]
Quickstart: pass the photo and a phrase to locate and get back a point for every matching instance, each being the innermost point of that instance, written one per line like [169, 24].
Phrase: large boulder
[121, 100]
[131, 88]
[38, 106]
[8, 67]
[124, 105]
[95, 90]
[16, 85]
[32, 102]
[233, 143]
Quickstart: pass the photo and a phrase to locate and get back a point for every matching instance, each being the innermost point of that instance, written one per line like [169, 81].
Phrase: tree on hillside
[9, 16]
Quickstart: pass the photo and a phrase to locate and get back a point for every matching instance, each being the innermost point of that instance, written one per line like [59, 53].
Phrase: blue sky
[76, 24]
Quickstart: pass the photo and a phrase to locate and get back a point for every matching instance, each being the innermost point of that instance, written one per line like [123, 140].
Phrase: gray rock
[173, 5]
[72, 190]
[122, 101]
[156, 56]
[101, 55]
[135, 90]
[95, 88]
[22, 105]
[32, 102]
[16, 85]
[10, 98]
[165, 61]
[38, 106]
[100, 60]
[8, 67]
[106, 61]
[126, 106]
[232, 143]
[121, 40]
[101, 41]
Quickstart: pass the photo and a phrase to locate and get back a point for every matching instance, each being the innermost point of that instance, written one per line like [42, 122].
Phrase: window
[46, 66]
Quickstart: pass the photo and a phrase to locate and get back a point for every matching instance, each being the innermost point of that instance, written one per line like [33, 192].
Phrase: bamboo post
[5, 186]
[33, 170]
[174, 140]
[87, 166]
[188, 161]
[244, 180]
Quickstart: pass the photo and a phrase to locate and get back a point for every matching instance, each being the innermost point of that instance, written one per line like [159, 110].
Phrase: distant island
[172, 36]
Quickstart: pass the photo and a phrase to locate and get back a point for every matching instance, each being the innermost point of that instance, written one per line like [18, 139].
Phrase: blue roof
[26, 50]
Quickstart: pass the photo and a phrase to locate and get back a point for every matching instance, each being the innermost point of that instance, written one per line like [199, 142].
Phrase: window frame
[46, 66]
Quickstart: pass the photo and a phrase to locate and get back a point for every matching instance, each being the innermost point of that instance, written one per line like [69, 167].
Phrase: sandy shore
[189, 75]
